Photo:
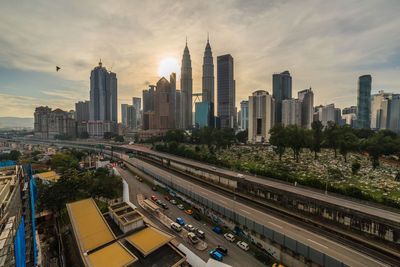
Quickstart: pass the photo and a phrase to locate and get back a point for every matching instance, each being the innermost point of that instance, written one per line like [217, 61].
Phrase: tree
[331, 134]
[355, 167]
[317, 137]
[278, 139]
[62, 162]
[84, 135]
[108, 135]
[378, 145]
[119, 138]
[347, 141]
[296, 139]
[242, 136]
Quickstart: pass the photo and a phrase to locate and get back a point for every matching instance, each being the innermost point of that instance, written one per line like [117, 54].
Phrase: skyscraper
[291, 112]
[244, 115]
[164, 109]
[148, 99]
[281, 89]
[204, 116]
[186, 89]
[261, 116]
[123, 113]
[103, 95]
[137, 103]
[82, 110]
[226, 91]
[131, 121]
[364, 101]
[394, 113]
[172, 81]
[178, 111]
[208, 75]
[307, 107]
[380, 110]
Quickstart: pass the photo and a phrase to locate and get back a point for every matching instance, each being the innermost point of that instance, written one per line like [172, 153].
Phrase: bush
[355, 167]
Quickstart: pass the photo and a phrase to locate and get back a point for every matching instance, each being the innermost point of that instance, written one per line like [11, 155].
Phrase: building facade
[364, 101]
[82, 110]
[244, 115]
[131, 117]
[226, 91]
[291, 112]
[123, 113]
[204, 114]
[307, 107]
[148, 99]
[394, 113]
[208, 75]
[186, 90]
[49, 124]
[281, 90]
[103, 95]
[261, 116]
[164, 108]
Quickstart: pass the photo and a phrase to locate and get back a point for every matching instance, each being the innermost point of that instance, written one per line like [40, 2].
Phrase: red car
[140, 180]
[154, 188]
[167, 198]
[153, 198]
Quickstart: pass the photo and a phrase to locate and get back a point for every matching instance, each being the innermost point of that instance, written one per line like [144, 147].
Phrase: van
[176, 227]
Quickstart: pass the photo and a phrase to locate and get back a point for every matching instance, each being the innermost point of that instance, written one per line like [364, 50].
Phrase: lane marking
[315, 242]
[363, 255]
[245, 211]
[275, 224]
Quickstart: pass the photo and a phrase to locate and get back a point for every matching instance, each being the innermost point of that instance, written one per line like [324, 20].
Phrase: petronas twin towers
[187, 84]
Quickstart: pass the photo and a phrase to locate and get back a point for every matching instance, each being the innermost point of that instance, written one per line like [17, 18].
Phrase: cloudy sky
[324, 44]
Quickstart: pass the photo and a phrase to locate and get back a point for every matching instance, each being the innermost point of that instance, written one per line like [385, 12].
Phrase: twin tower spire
[187, 83]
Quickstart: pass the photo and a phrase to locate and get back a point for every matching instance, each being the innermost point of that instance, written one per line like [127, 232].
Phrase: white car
[180, 206]
[189, 227]
[229, 237]
[173, 202]
[243, 245]
[176, 227]
[239, 175]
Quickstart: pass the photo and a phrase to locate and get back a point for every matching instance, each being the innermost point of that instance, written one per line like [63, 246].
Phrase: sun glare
[167, 66]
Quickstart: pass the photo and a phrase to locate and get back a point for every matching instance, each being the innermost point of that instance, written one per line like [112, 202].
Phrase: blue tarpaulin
[33, 200]
[7, 163]
[19, 246]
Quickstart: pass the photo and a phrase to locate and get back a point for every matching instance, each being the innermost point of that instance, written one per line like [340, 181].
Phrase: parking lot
[236, 256]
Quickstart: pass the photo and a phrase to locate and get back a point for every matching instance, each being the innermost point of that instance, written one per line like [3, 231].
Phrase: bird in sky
[57, 68]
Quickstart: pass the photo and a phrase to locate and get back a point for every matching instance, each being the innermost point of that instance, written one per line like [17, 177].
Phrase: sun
[167, 66]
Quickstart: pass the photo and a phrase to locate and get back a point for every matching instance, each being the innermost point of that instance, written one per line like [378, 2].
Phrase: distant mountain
[14, 122]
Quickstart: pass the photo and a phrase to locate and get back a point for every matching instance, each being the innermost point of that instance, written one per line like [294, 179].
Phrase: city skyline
[358, 43]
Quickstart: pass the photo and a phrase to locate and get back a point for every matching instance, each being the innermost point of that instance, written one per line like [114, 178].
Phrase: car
[217, 229]
[189, 227]
[222, 250]
[179, 221]
[164, 206]
[213, 168]
[167, 198]
[173, 201]
[176, 227]
[229, 237]
[190, 212]
[277, 265]
[154, 188]
[239, 175]
[200, 233]
[159, 202]
[196, 216]
[181, 207]
[193, 238]
[154, 198]
[140, 180]
[216, 255]
[243, 245]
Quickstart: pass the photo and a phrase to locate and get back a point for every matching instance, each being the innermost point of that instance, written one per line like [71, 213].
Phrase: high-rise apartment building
[82, 110]
[186, 89]
[124, 114]
[291, 112]
[327, 113]
[281, 90]
[103, 95]
[48, 124]
[131, 118]
[244, 115]
[208, 75]
[226, 91]
[164, 108]
[261, 116]
[380, 110]
[307, 107]
[394, 113]
[148, 99]
[364, 101]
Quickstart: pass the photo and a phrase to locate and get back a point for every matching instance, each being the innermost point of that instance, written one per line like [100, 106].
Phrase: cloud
[324, 44]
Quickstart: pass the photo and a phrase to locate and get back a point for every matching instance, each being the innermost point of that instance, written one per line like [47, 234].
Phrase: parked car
[197, 216]
[190, 212]
[179, 221]
[229, 237]
[277, 265]
[216, 255]
[167, 198]
[181, 207]
[222, 250]
[243, 245]
[159, 202]
[217, 229]
[164, 206]
[154, 198]
[172, 201]
[200, 233]
[140, 180]
[189, 227]
[154, 188]
[193, 238]
[176, 227]
[239, 175]
[213, 168]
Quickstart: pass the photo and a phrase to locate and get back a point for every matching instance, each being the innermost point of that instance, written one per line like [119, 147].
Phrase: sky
[325, 45]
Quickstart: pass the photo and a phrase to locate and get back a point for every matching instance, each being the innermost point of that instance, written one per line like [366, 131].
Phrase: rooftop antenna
[208, 37]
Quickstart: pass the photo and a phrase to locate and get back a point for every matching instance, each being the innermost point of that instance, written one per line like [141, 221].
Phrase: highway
[356, 206]
[336, 250]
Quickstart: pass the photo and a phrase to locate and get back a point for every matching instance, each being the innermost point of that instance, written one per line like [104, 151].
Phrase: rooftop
[114, 255]
[149, 240]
